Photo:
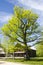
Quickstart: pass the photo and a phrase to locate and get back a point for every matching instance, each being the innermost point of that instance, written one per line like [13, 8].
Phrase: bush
[39, 50]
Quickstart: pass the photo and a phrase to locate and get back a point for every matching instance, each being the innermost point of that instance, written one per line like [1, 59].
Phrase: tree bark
[26, 49]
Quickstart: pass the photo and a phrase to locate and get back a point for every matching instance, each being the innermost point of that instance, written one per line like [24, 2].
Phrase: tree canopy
[22, 27]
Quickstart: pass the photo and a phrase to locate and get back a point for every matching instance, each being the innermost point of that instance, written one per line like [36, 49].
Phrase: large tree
[22, 27]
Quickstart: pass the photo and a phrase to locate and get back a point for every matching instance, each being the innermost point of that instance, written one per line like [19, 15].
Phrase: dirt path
[9, 63]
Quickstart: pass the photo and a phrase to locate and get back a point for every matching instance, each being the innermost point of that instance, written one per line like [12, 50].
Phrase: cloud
[33, 4]
[4, 17]
[36, 4]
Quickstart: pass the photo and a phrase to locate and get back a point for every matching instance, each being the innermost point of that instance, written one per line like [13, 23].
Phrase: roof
[2, 51]
[33, 48]
[19, 52]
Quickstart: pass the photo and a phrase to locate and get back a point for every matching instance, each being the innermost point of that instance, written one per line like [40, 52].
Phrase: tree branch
[20, 41]
[32, 40]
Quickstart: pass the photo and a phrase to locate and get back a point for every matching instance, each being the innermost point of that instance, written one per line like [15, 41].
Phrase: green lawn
[32, 61]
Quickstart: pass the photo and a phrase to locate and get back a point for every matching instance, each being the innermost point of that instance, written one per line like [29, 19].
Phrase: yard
[32, 61]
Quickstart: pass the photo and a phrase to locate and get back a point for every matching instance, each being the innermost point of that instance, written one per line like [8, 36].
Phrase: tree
[0, 38]
[39, 48]
[8, 46]
[22, 27]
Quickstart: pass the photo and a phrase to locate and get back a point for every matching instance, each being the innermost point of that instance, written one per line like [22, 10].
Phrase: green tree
[39, 48]
[7, 45]
[19, 47]
[0, 38]
[21, 27]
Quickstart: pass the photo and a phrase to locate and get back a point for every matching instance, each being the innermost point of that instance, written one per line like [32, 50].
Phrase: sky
[6, 9]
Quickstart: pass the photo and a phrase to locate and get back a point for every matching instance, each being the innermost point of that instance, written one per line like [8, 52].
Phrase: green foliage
[39, 50]
[4, 47]
[22, 26]
[9, 48]
[19, 47]
[7, 45]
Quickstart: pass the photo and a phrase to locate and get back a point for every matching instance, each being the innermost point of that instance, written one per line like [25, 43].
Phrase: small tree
[7, 46]
[22, 27]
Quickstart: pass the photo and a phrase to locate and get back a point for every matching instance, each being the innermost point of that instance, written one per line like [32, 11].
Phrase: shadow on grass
[36, 59]
[23, 60]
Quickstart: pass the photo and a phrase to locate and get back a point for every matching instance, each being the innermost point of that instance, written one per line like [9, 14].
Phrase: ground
[9, 63]
[13, 61]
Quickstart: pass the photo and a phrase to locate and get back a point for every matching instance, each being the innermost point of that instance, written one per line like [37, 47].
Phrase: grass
[32, 61]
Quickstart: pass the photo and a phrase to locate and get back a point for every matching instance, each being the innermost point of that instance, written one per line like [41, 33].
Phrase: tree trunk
[27, 54]
[25, 42]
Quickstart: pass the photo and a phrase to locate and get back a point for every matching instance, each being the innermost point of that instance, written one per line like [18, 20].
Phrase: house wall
[2, 55]
[31, 53]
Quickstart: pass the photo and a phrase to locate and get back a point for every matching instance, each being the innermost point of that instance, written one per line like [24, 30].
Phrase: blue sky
[6, 9]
